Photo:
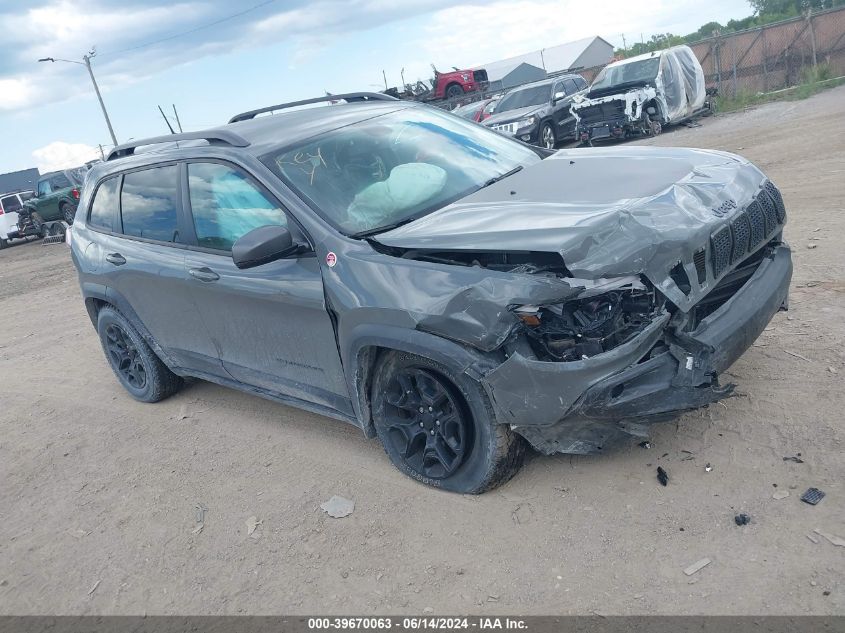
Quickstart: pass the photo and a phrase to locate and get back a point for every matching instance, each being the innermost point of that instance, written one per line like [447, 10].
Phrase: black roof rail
[348, 97]
[214, 137]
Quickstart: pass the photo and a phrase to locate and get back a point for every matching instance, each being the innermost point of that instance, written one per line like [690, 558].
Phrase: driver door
[44, 194]
[269, 324]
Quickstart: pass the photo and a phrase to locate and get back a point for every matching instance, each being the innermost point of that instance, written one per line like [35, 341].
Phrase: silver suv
[457, 293]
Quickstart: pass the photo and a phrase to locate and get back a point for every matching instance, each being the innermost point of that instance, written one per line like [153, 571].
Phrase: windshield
[395, 167]
[632, 73]
[525, 97]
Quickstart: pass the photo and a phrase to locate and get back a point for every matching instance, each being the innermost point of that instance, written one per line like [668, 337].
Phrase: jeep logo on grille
[723, 209]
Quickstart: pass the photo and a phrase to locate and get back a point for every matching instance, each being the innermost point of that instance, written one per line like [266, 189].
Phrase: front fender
[363, 343]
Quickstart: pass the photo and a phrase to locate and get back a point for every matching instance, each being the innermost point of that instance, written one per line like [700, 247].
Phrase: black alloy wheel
[125, 357]
[426, 423]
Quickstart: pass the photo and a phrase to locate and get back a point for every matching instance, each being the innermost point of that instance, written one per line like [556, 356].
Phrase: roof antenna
[178, 122]
[166, 121]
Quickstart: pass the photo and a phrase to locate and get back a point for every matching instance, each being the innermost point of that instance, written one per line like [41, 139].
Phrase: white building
[585, 53]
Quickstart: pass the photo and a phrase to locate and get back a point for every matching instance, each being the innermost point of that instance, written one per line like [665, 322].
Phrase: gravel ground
[99, 492]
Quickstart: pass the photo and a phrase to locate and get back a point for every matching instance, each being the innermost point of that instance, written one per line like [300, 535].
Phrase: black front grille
[699, 259]
[720, 250]
[756, 223]
[741, 234]
[602, 112]
[775, 196]
[725, 289]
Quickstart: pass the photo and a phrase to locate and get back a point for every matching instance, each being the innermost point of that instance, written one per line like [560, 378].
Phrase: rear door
[142, 259]
[269, 323]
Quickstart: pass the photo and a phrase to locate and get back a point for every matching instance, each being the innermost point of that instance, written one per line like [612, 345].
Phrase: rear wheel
[136, 366]
[547, 136]
[453, 91]
[68, 212]
[439, 428]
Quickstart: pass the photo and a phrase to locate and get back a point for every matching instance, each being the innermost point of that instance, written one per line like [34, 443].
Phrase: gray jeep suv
[457, 293]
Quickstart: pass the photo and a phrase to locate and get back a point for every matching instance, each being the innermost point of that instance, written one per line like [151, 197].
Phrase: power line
[193, 30]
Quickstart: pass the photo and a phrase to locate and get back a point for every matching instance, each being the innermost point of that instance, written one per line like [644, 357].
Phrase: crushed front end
[617, 116]
[585, 373]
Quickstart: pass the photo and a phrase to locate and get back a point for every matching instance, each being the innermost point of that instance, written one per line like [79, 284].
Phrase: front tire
[547, 136]
[439, 428]
[134, 364]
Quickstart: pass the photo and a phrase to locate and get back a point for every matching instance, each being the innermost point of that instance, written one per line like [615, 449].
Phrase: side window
[11, 204]
[44, 188]
[580, 82]
[148, 204]
[226, 205]
[104, 206]
[59, 181]
[558, 87]
[571, 88]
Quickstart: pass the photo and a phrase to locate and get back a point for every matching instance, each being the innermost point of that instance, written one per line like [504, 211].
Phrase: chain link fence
[775, 56]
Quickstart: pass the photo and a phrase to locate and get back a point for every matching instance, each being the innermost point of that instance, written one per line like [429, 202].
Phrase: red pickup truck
[443, 86]
[454, 84]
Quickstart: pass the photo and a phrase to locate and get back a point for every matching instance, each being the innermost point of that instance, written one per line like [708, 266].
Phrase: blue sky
[275, 51]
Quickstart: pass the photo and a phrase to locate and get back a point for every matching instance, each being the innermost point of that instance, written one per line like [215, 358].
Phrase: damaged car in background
[453, 292]
[641, 95]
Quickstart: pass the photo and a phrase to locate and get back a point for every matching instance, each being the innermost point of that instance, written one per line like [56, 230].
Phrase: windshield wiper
[496, 179]
[381, 229]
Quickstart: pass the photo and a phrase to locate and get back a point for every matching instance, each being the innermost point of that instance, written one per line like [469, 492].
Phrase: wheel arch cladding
[367, 343]
[98, 296]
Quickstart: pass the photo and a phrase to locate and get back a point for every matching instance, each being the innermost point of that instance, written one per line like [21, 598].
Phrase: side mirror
[558, 96]
[263, 245]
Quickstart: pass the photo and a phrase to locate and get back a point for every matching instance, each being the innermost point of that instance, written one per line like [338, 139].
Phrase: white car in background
[10, 204]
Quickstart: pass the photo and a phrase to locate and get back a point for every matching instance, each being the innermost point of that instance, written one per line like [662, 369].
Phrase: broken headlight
[583, 328]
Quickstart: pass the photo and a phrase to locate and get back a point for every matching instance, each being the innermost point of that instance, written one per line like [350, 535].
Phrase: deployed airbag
[408, 186]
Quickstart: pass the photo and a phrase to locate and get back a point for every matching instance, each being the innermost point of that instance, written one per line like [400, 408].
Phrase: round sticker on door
[331, 259]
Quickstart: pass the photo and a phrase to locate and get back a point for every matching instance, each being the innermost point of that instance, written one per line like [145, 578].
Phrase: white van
[10, 204]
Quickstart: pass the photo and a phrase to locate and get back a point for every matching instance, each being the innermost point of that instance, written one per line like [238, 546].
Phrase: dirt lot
[98, 495]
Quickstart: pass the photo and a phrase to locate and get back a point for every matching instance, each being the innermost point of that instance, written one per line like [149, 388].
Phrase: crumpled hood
[511, 115]
[608, 212]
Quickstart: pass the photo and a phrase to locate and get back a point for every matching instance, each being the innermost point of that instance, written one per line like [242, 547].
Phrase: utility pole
[86, 61]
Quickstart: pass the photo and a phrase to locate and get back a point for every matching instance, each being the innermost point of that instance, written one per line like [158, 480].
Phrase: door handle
[116, 258]
[203, 274]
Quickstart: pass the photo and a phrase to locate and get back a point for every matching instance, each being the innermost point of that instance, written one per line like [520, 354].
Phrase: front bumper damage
[616, 116]
[583, 406]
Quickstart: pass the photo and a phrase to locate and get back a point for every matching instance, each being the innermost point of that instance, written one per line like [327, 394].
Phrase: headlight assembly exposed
[585, 327]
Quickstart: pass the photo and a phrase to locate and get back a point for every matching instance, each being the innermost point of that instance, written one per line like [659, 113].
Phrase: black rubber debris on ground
[794, 458]
[645, 444]
[662, 476]
[742, 519]
[812, 496]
